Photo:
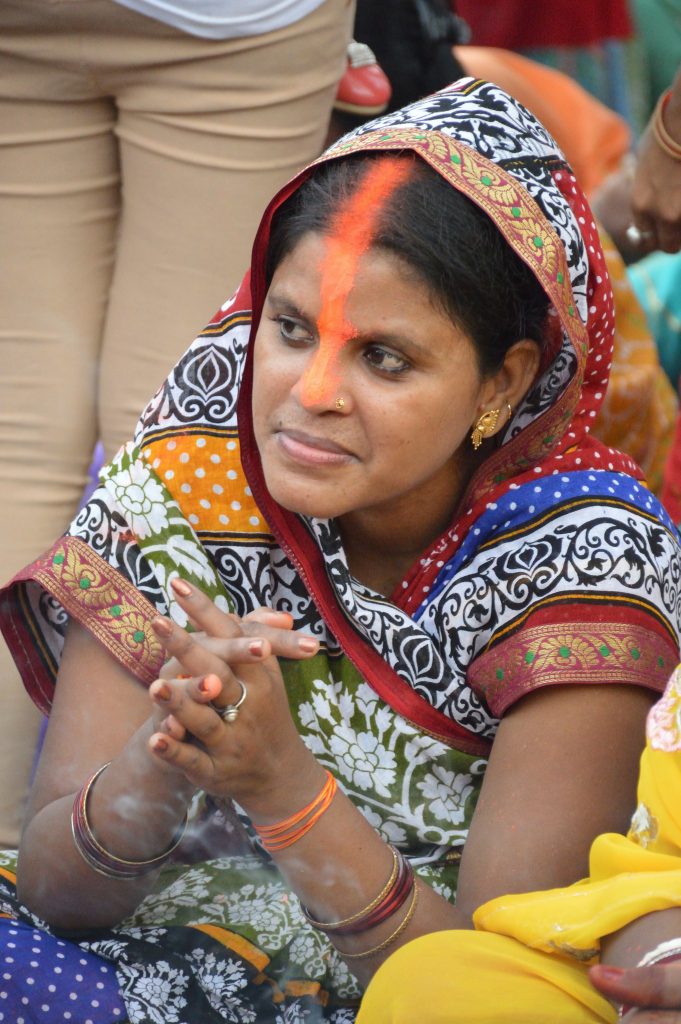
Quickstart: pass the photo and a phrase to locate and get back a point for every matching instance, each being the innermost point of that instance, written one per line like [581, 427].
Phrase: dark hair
[473, 275]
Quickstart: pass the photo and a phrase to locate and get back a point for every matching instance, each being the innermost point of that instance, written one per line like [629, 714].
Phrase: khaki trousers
[135, 161]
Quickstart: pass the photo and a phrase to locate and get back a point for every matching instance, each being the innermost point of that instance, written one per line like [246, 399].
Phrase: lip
[311, 450]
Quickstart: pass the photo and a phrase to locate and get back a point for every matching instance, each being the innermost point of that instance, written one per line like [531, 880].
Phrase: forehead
[387, 296]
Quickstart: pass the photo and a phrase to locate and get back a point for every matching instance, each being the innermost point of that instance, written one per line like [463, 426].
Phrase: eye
[294, 332]
[385, 360]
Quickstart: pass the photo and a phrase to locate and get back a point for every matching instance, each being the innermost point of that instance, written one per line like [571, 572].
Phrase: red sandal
[364, 89]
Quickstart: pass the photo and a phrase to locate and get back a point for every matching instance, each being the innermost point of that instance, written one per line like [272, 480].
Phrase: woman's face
[407, 377]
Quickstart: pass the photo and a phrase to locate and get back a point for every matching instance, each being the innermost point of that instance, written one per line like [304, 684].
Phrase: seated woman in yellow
[534, 948]
[385, 440]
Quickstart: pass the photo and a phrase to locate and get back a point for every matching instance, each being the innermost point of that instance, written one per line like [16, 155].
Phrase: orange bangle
[287, 832]
[664, 140]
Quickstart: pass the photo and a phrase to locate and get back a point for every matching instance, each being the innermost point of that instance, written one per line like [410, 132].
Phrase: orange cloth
[640, 406]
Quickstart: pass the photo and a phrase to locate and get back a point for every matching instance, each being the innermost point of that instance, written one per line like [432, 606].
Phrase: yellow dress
[527, 959]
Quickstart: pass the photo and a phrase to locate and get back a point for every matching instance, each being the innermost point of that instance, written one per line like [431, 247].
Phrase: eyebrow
[287, 304]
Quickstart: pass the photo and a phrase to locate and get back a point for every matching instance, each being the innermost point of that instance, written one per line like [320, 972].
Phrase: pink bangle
[96, 856]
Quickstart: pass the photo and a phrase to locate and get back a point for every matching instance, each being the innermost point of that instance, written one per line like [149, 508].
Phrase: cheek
[267, 378]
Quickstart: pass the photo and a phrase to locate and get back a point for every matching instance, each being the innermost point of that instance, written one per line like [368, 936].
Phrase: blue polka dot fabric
[45, 980]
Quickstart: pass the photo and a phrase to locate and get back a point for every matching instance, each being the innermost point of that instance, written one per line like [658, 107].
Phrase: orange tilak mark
[351, 234]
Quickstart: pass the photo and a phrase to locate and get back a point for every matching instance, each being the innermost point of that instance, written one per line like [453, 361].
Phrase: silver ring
[636, 237]
[230, 712]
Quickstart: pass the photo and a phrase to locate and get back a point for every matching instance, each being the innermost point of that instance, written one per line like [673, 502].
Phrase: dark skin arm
[101, 713]
[656, 188]
[341, 863]
[656, 989]
[555, 745]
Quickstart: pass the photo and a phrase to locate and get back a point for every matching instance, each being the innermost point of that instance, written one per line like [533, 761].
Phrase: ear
[509, 384]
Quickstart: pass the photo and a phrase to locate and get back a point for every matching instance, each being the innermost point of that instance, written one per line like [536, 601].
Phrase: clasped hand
[254, 758]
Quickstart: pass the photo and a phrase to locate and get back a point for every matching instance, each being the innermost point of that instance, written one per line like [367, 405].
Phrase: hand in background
[656, 187]
[655, 990]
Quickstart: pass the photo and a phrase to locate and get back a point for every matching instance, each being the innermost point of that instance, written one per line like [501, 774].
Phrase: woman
[391, 454]
[140, 140]
[627, 913]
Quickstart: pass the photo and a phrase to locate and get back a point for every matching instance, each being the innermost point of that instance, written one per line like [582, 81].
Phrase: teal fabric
[656, 279]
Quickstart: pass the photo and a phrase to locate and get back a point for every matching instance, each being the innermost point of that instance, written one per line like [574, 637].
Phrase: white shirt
[224, 19]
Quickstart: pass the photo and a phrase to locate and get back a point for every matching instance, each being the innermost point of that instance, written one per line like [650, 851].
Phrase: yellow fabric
[480, 978]
[628, 876]
[527, 960]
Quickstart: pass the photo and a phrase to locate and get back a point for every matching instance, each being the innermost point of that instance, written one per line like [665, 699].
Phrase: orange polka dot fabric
[203, 473]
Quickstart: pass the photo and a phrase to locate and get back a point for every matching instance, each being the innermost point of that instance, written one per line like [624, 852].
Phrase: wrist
[294, 787]
[664, 953]
[666, 124]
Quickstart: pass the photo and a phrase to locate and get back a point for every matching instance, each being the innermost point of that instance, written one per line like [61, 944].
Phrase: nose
[322, 380]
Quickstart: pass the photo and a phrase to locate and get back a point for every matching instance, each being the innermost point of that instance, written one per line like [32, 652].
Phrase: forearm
[134, 809]
[626, 947]
[339, 867]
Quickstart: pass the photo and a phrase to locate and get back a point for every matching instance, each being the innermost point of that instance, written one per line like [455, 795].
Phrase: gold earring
[340, 403]
[484, 426]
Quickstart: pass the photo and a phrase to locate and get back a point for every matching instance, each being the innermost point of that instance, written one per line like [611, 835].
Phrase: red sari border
[96, 595]
[576, 650]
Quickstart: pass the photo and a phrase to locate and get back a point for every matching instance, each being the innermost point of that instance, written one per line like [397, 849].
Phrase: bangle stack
[664, 140]
[96, 856]
[287, 832]
[397, 890]
[665, 952]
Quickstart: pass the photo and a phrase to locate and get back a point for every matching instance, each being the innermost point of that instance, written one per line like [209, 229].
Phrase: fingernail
[181, 588]
[256, 648]
[307, 644]
[611, 973]
[162, 692]
[160, 744]
[162, 627]
[204, 686]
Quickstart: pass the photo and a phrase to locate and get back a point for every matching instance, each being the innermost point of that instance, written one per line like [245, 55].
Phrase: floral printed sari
[559, 567]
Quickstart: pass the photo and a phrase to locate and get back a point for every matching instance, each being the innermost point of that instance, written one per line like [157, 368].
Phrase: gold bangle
[391, 938]
[664, 140]
[333, 925]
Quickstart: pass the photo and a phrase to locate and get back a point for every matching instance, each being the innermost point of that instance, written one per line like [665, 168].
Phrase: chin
[315, 506]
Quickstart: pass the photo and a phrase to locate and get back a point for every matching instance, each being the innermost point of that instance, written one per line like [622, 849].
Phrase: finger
[193, 657]
[189, 705]
[240, 650]
[172, 727]
[656, 986]
[207, 617]
[187, 758]
[280, 643]
[270, 617]
[244, 647]
[203, 612]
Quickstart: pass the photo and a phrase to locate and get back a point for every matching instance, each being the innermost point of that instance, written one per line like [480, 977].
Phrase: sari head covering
[558, 567]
